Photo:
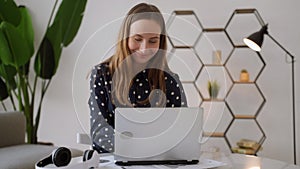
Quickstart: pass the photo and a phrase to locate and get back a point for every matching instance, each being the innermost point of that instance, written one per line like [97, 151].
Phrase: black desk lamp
[254, 41]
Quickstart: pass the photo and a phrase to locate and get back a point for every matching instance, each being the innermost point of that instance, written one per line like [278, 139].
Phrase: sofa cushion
[13, 126]
[25, 156]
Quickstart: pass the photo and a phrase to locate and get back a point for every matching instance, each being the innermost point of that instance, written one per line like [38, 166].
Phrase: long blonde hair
[120, 65]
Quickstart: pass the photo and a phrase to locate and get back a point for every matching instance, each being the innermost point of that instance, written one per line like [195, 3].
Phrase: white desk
[233, 161]
[240, 161]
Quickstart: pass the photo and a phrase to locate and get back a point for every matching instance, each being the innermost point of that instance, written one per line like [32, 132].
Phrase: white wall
[65, 110]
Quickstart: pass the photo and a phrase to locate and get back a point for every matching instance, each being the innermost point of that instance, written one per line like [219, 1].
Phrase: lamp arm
[292, 57]
[293, 96]
[294, 109]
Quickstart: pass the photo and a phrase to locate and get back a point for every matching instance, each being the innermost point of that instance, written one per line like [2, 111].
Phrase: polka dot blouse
[102, 109]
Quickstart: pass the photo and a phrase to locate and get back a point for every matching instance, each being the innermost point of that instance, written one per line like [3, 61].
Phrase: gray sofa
[14, 152]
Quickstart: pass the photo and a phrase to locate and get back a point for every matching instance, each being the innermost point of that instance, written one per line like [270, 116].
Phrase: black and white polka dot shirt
[102, 109]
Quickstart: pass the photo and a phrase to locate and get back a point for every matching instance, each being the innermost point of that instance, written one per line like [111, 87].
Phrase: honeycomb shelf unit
[238, 103]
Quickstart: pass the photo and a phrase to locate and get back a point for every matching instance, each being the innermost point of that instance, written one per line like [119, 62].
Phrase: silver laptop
[148, 136]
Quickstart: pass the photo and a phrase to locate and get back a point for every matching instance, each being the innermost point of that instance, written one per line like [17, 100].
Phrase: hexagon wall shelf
[190, 29]
[238, 103]
[187, 60]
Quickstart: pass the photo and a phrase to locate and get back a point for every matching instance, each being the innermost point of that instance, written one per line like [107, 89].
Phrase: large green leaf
[3, 90]
[63, 30]
[54, 34]
[25, 68]
[8, 73]
[49, 53]
[26, 29]
[17, 45]
[9, 12]
[70, 14]
[45, 61]
[4, 46]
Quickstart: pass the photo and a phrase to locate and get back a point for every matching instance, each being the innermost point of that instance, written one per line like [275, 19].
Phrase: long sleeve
[101, 117]
[174, 91]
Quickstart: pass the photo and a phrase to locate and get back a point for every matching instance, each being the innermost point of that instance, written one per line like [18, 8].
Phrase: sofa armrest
[12, 128]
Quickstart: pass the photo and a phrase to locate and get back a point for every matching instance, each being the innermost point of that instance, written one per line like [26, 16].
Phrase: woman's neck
[139, 67]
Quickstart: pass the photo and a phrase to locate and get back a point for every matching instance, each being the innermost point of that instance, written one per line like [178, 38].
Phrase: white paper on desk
[205, 163]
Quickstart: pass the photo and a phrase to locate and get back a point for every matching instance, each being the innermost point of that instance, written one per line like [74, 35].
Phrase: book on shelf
[247, 151]
[246, 146]
[245, 143]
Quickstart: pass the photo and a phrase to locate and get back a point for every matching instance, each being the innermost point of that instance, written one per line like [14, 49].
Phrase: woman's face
[144, 40]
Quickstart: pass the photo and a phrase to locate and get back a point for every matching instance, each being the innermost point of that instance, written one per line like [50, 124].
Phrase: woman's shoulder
[170, 74]
[100, 68]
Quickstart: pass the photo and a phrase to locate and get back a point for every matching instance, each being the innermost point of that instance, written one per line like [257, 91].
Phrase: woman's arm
[174, 91]
[101, 118]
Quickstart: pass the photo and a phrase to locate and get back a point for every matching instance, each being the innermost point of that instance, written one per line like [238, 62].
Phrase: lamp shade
[255, 40]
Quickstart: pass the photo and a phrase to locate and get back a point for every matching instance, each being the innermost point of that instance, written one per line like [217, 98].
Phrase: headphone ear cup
[61, 156]
[88, 154]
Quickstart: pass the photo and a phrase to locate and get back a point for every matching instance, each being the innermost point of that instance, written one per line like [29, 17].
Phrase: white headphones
[61, 158]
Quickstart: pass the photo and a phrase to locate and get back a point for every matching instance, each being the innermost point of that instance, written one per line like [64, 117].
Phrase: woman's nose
[143, 46]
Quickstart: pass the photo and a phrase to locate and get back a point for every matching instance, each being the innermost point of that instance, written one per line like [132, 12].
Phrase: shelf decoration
[217, 58]
[244, 76]
[213, 89]
[246, 146]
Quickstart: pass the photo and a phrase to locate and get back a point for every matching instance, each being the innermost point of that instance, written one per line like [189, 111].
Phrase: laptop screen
[158, 134]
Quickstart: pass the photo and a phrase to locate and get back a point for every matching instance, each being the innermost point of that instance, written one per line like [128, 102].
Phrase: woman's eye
[138, 39]
[153, 41]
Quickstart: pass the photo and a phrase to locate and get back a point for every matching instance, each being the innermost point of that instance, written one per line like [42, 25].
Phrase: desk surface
[233, 161]
[240, 161]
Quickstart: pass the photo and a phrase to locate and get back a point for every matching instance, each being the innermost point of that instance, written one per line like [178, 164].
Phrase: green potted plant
[213, 89]
[17, 52]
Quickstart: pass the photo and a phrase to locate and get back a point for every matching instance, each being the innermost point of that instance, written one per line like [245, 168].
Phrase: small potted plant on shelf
[213, 89]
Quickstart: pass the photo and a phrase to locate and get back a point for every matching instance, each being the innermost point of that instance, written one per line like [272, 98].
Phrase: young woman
[137, 75]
